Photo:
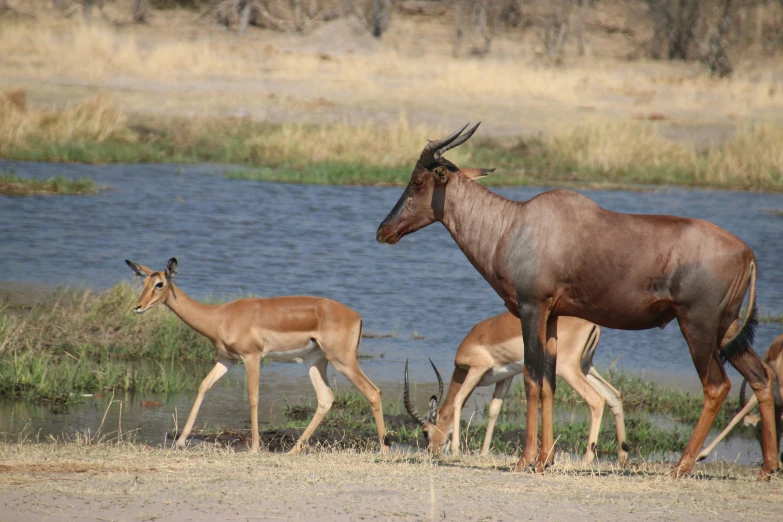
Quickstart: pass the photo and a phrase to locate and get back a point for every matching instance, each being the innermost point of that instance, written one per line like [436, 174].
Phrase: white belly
[495, 375]
[298, 355]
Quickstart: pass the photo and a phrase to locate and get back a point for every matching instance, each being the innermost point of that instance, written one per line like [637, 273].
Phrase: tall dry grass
[617, 150]
[99, 52]
[95, 119]
[366, 144]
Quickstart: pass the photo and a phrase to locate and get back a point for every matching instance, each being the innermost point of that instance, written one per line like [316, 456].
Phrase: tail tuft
[743, 341]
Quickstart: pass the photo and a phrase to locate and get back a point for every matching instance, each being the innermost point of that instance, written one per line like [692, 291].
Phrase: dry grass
[93, 120]
[111, 480]
[366, 144]
[753, 158]
[396, 72]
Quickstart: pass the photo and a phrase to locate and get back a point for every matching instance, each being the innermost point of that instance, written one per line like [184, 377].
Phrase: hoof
[542, 466]
[523, 465]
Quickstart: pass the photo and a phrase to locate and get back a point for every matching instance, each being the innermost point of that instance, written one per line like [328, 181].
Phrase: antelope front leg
[212, 377]
[501, 389]
[530, 317]
[594, 399]
[325, 400]
[253, 371]
[546, 454]
[614, 399]
[468, 385]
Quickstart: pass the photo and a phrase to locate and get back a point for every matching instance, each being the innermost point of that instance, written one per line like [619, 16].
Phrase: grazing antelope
[560, 254]
[493, 353]
[313, 330]
[774, 358]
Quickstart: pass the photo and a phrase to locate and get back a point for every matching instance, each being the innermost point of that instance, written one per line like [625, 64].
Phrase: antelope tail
[743, 339]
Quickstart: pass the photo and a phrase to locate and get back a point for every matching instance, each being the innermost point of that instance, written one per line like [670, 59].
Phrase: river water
[237, 237]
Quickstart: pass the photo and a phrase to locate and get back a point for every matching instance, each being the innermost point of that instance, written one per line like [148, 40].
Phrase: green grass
[82, 343]
[349, 424]
[639, 396]
[60, 379]
[327, 174]
[13, 185]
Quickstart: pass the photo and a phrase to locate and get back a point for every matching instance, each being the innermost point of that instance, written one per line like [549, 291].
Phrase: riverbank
[596, 152]
[111, 481]
[76, 344]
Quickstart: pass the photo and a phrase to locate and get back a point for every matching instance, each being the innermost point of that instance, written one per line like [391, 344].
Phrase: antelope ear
[171, 268]
[477, 173]
[432, 414]
[139, 270]
[441, 174]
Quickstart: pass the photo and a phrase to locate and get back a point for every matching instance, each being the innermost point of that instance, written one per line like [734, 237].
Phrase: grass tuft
[13, 185]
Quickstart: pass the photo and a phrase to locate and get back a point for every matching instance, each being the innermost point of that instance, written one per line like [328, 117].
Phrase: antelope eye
[159, 284]
[418, 182]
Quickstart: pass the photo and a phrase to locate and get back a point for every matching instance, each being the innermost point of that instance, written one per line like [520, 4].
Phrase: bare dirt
[104, 482]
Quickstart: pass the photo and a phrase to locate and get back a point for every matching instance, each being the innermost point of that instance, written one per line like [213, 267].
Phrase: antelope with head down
[560, 254]
[493, 353]
[774, 358]
[313, 330]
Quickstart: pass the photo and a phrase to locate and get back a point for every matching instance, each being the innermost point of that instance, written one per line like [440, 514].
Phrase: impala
[313, 330]
[774, 358]
[560, 254]
[493, 353]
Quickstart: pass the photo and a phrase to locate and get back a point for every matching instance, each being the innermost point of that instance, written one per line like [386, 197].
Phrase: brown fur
[560, 254]
[496, 343]
[313, 330]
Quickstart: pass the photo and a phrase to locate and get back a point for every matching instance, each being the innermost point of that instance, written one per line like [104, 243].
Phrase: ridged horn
[432, 149]
[406, 399]
[457, 142]
[440, 383]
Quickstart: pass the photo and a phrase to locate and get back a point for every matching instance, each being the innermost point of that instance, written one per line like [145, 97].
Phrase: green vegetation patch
[13, 185]
[82, 343]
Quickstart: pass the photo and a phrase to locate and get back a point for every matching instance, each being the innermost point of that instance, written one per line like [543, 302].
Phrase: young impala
[313, 330]
[560, 254]
[774, 358]
[493, 353]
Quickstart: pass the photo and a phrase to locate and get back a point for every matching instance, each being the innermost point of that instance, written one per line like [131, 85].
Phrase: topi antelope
[774, 358]
[313, 330]
[493, 353]
[560, 254]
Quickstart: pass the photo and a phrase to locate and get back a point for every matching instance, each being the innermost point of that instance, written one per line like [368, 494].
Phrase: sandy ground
[65, 482]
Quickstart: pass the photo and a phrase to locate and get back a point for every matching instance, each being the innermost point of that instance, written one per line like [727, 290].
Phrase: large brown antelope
[493, 353]
[774, 358]
[313, 330]
[560, 254]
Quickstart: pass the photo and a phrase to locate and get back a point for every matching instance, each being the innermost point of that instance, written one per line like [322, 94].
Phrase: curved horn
[440, 382]
[430, 151]
[406, 399]
[457, 142]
